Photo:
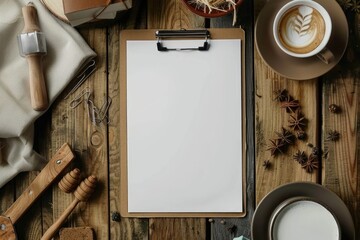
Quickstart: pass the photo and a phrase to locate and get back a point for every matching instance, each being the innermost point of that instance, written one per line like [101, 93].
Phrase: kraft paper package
[67, 53]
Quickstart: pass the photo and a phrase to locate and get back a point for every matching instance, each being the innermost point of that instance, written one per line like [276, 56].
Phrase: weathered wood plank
[6, 196]
[177, 229]
[93, 139]
[89, 143]
[341, 163]
[126, 228]
[231, 228]
[173, 14]
[270, 118]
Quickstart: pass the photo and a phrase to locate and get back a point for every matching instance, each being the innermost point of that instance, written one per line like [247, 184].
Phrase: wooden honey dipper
[70, 181]
[82, 194]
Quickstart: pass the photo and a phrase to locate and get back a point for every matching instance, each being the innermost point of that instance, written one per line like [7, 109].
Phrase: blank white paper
[184, 131]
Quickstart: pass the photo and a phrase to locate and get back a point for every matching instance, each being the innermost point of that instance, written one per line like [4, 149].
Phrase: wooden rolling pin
[82, 194]
[32, 46]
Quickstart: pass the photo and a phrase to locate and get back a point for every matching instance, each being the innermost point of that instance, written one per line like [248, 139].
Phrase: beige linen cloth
[67, 52]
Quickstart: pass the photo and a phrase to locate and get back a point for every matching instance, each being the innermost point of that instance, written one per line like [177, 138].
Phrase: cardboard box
[82, 11]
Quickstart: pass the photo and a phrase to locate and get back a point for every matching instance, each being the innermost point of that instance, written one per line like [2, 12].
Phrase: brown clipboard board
[150, 34]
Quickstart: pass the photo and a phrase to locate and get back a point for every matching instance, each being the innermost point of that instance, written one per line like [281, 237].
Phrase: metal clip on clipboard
[161, 34]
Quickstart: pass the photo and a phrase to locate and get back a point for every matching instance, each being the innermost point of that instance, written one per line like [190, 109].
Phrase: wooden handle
[82, 193]
[56, 226]
[30, 18]
[62, 158]
[38, 92]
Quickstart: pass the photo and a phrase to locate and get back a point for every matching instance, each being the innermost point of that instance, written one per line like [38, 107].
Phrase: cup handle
[325, 55]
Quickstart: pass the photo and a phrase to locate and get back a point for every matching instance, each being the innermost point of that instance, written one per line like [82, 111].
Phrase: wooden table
[97, 146]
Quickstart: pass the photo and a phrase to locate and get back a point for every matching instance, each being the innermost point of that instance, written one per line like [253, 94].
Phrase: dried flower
[286, 136]
[345, 3]
[266, 164]
[290, 104]
[276, 146]
[297, 122]
[334, 108]
[281, 95]
[300, 157]
[301, 135]
[311, 164]
[209, 5]
[355, 6]
[333, 135]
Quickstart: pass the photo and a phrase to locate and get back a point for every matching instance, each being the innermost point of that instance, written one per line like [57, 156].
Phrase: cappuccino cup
[302, 29]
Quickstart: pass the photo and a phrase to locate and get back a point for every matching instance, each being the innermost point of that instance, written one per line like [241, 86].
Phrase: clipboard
[141, 90]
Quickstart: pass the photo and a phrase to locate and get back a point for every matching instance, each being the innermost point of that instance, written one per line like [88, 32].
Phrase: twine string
[218, 5]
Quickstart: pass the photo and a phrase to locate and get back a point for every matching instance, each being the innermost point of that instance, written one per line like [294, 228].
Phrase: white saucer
[267, 206]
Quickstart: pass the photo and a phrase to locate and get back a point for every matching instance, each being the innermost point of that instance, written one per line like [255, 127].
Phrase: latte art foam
[301, 29]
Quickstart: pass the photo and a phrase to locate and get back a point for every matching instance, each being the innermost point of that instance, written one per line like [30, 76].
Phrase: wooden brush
[32, 45]
[82, 194]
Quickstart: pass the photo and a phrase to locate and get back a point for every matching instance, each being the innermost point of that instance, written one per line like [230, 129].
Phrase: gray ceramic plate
[262, 215]
[299, 68]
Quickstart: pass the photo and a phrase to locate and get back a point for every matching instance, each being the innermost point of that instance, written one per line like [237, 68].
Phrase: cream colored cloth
[67, 52]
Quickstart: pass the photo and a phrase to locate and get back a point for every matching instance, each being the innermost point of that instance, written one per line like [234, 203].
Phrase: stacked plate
[300, 211]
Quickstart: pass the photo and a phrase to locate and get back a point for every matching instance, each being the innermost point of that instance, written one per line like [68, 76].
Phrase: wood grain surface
[97, 145]
[341, 162]
[270, 118]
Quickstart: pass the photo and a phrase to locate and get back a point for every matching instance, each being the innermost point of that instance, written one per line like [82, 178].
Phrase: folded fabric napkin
[67, 52]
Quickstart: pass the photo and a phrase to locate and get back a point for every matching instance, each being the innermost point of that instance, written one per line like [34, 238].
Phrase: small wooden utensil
[46, 177]
[70, 181]
[82, 194]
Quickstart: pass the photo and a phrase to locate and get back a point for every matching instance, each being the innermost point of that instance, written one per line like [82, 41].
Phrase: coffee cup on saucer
[302, 29]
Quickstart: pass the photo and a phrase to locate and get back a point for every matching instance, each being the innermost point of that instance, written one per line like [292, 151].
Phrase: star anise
[276, 146]
[333, 135]
[286, 136]
[311, 164]
[297, 121]
[345, 3]
[266, 164]
[281, 95]
[300, 157]
[301, 135]
[290, 104]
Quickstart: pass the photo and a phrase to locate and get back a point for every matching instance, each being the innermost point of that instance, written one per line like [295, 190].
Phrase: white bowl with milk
[302, 218]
